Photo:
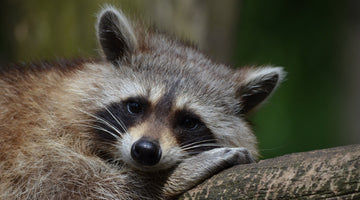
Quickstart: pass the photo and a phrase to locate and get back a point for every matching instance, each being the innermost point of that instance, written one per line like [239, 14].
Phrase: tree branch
[328, 173]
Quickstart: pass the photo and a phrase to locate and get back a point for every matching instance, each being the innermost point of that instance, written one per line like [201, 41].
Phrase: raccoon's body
[150, 121]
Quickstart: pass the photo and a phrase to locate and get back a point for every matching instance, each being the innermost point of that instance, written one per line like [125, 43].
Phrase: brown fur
[48, 146]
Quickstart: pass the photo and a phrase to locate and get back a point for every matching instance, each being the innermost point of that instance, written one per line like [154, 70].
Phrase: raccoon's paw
[233, 156]
[221, 158]
[195, 169]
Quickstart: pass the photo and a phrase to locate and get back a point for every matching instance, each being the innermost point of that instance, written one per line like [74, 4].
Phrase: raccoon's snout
[146, 152]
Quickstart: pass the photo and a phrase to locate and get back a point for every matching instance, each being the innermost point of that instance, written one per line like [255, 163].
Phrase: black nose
[146, 152]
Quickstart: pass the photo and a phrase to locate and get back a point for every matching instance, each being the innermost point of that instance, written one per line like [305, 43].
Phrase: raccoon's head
[165, 101]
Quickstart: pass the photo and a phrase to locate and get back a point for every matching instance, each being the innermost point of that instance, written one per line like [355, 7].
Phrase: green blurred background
[318, 43]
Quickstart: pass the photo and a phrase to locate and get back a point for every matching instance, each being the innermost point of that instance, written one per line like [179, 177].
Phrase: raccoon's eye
[134, 107]
[190, 123]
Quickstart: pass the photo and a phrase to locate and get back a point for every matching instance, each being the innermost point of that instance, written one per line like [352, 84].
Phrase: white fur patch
[156, 93]
[260, 73]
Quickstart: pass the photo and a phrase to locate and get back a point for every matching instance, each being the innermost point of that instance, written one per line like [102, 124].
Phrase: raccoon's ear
[115, 35]
[257, 84]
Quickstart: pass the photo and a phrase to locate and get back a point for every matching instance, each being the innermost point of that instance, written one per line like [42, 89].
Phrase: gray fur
[49, 148]
[213, 91]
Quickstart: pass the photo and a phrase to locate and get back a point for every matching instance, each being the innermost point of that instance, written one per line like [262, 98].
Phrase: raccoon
[150, 120]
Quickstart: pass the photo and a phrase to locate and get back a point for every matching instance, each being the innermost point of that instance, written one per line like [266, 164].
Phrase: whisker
[202, 137]
[185, 145]
[196, 139]
[200, 146]
[121, 124]
[100, 129]
[101, 120]
[194, 152]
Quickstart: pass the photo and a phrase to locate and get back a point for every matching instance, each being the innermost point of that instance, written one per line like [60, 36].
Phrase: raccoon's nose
[146, 152]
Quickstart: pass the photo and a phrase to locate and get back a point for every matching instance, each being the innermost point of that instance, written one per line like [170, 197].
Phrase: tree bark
[322, 174]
